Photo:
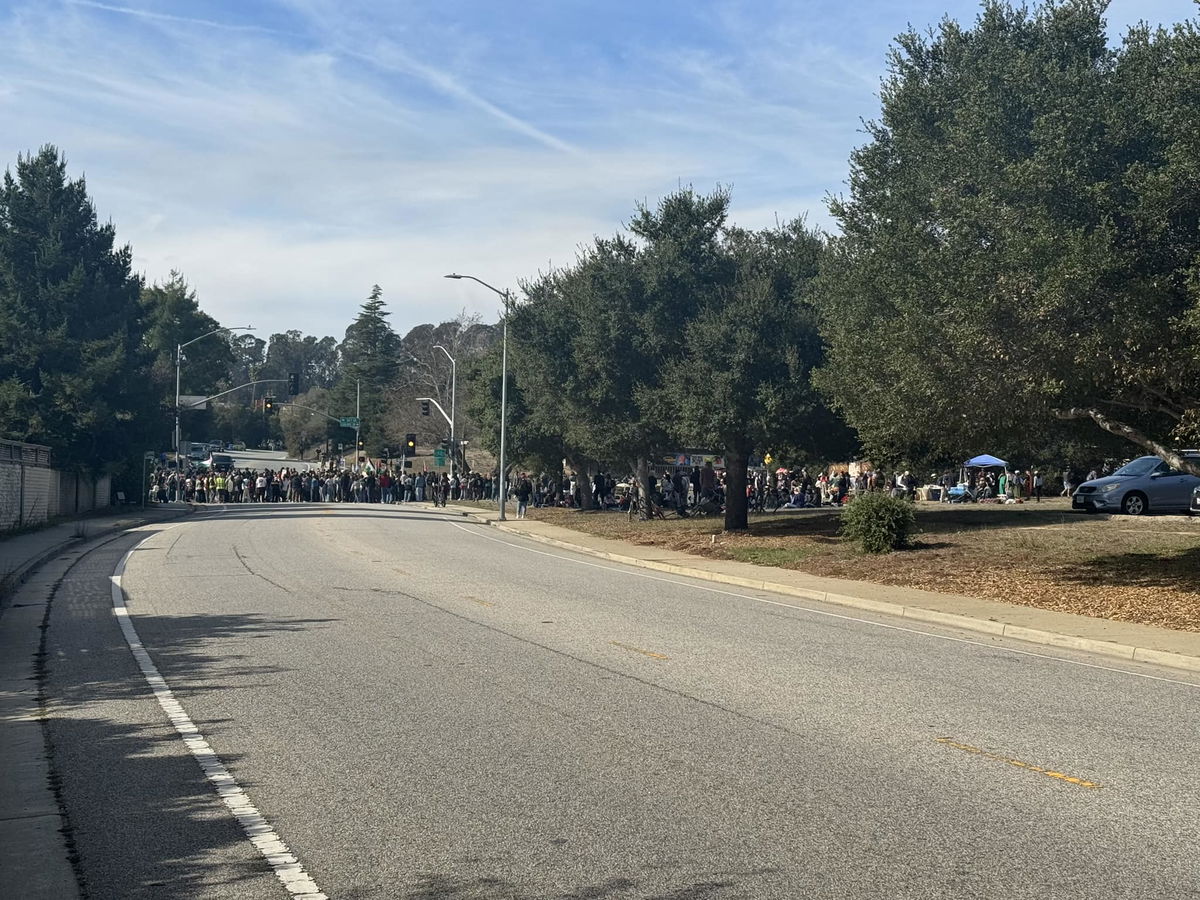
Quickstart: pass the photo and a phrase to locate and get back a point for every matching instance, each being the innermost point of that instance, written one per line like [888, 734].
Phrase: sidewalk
[33, 852]
[1124, 640]
[24, 553]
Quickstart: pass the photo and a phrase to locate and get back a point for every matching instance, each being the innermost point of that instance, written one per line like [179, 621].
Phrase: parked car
[1194, 509]
[1147, 484]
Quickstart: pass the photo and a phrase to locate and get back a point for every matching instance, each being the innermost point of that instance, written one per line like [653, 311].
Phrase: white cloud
[286, 163]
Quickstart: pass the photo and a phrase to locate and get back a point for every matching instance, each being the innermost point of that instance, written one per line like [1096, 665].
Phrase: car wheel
[1134, 504]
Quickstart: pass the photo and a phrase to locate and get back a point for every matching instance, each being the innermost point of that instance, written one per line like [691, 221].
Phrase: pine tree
[73, 369]
[370, 360]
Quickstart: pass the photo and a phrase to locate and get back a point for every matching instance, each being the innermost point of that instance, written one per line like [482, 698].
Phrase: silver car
[1146, 484]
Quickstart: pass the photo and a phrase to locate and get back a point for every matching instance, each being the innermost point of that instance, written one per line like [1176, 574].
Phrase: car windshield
[1143, 465]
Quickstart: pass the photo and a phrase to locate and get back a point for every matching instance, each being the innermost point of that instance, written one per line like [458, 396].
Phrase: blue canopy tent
[962, 493]
[985, 462]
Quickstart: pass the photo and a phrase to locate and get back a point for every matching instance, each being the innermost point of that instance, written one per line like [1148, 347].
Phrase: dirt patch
[1144, 570]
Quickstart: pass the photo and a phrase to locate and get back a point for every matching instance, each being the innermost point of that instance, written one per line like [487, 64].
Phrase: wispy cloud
[152, 16]
[287, 155]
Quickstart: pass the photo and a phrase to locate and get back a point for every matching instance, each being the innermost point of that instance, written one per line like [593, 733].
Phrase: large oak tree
[1021, 241]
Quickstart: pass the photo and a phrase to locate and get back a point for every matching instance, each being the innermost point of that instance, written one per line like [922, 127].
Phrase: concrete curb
[19, 575]
[912, 613]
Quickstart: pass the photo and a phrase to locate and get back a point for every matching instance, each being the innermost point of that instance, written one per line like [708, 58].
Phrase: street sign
[348, 421]
[439, 457]
[193, 401]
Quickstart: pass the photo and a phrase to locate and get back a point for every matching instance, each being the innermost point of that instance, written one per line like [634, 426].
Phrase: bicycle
[637, 506]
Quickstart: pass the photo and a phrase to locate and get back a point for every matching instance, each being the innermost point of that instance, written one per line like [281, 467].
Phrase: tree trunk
[736, 511]
[1112, 426]
[643, 480]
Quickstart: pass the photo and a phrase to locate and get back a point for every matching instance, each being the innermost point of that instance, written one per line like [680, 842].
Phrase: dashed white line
[283, 862]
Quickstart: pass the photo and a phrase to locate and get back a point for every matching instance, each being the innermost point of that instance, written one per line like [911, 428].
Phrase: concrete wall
[32, 492]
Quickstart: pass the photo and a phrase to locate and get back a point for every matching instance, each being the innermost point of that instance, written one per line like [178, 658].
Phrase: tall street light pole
[453, 396]
[178, 366]
[503, 382]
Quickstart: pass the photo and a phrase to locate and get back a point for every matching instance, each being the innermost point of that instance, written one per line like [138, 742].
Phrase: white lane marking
[282, 861]
[625, 570]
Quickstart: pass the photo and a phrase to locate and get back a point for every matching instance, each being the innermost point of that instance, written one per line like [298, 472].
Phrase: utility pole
[453, 398]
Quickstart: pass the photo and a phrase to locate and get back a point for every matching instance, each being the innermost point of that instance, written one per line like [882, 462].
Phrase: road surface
[420, 707]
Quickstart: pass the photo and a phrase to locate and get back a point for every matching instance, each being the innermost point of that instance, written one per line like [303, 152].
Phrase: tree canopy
[685, 332]
[1020, 245]
[73, 366]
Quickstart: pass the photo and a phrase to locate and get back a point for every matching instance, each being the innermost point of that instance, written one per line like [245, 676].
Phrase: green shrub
[879, 523]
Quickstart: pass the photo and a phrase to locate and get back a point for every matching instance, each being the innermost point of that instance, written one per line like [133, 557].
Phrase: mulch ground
[1144, 570]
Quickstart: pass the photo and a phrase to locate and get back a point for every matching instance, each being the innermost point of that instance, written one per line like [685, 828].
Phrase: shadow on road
[144, 821]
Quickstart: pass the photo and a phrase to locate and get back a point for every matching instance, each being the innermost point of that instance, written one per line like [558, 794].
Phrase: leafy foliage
[370, 362]
[73, 367]
[742, 379]
[879, 523]
[1021, 242]
[685, 332]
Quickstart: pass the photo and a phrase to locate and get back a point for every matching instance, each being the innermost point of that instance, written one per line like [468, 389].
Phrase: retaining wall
[31, 492]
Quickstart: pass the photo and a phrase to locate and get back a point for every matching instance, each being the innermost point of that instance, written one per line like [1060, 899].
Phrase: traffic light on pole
[410, 444]
[269, 404]
[424, 407]
[293, 383]
[361, 444]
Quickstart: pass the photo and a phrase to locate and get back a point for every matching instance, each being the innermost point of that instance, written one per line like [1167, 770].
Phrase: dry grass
[1143, 570]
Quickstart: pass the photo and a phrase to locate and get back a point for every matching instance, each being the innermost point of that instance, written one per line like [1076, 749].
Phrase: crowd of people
[684, 489]
[330, 484]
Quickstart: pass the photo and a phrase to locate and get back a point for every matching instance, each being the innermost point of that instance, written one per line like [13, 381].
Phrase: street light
[453, 395]
[503, 380]
[178, 366]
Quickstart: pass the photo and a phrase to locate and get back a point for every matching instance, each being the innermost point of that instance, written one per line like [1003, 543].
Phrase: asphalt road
[426, 708]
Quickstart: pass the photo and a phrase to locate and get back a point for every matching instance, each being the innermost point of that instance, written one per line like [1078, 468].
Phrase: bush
[879, 523]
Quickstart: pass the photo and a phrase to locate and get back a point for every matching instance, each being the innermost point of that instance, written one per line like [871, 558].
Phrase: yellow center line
[639, 650]
[1049, 773]
[480, 602]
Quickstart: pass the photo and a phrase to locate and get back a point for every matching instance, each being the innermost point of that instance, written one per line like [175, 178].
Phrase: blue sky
[286, 155]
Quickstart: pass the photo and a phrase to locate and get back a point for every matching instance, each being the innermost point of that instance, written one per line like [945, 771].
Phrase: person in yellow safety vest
[222, 490]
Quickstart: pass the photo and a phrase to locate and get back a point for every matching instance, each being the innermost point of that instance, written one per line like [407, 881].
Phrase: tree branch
[1131, 434]
[1147, 407]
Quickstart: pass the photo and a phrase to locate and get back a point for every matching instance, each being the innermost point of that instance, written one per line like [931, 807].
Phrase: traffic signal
[387, 453]
[424, 407]
[361, 444]
[293, 383]
[269, 404]
[410, 444]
